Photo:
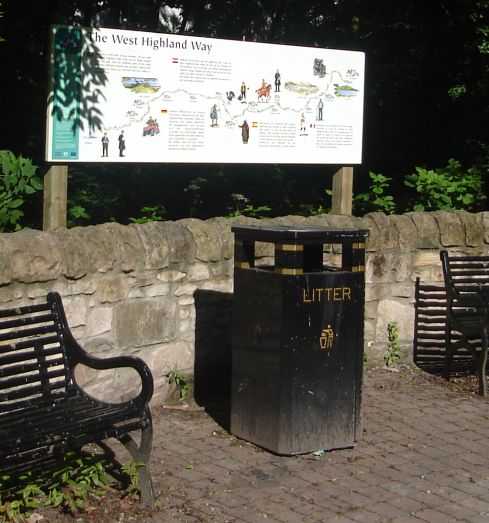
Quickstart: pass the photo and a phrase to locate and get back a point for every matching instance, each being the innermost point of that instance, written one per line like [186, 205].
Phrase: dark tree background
[427, 94]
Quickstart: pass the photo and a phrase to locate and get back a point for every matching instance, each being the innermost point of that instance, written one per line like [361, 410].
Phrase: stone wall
[163, 290]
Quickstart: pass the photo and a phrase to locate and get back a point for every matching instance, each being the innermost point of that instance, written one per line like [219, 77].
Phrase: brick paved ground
[423, 458]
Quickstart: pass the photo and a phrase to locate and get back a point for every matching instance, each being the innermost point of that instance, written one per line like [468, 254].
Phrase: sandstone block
[367, 222]
[75, 260]
[223, 227]
[388, 235]
[474, 228]
[407, 232]
[387, 266]
[198, 271]
[484, 219]
[99, 320]
[126, 244]
[145, 322]
[96, 241]
[112, 289]
[159, 289]
[390, 311]
[30, 256]
[452, 231]
[206, 238]
[166, 357]
[428, 232]
[154, 244]
[76, 310]
[182, 247]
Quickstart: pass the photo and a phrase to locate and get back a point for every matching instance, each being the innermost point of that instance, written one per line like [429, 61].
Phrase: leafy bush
[376, 198]
[18, 180]
[447, 188]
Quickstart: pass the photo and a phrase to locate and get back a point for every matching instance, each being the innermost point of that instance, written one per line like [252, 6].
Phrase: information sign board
[127, 96]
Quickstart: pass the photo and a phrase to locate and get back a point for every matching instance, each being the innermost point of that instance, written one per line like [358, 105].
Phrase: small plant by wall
[393, 353]
[182, 383]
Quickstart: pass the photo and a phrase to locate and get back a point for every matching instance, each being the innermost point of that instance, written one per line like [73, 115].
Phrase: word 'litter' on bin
[297, 337]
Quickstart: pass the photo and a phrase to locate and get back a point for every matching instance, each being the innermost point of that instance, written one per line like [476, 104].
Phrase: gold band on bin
[241, 265]
[289, 247]
[287, 271]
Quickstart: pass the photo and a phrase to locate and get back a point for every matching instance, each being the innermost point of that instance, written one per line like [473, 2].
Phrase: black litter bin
[297, 346]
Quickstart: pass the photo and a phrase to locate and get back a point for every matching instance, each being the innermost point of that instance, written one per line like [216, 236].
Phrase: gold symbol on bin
[326, 339]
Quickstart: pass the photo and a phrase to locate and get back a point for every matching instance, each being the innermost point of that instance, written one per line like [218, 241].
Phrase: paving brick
[386, 510]
[422, 459]
[363, 516]
[432, 516]
[408, 519]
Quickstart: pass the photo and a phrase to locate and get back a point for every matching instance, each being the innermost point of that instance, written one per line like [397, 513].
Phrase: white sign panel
[125, 96]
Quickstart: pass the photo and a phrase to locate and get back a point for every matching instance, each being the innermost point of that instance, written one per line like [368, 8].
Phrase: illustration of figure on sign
[242, 92]
[303, 125]
[105, 145]
[245, 131]
[319, 69]
[277, 81]
[327, 338]
[320, 110]
[214, 115]
[151, 128]
[122, 144]
[91, 133]
[264, 92]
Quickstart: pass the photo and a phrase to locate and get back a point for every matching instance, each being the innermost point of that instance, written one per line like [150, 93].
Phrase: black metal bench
[467, 297]
[429, 341]
[44, 412]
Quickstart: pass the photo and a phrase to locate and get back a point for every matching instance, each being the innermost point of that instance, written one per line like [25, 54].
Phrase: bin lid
[300, 234]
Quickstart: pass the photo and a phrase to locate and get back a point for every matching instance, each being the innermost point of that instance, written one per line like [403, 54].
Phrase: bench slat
[26, 356]
[29, 343]
[31, 378]
[25, 309]
[28, 394]
[42, 329]
[51, 423]
[26, 320]
[28, 367]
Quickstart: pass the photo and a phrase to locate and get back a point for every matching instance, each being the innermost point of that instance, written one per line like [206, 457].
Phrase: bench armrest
[78, 355]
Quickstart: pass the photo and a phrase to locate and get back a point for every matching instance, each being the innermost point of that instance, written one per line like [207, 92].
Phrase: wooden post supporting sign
[341, 202]
[55, 197]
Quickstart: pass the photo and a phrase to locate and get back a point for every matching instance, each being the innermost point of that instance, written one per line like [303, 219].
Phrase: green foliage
[77, 213]
[1, 16]
[182, 382]
[393, 353]
[131, 469]
[72, 485]
[310, 210]
[243, 207]
[18, 181]
[91, 199]
[77, 481]
[155, 213]
[194, 194]
[375, 199]
[446, 189]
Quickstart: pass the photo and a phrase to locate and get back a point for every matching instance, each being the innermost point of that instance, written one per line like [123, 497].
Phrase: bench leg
[140, 454]
[448, 351]
[482, 364]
